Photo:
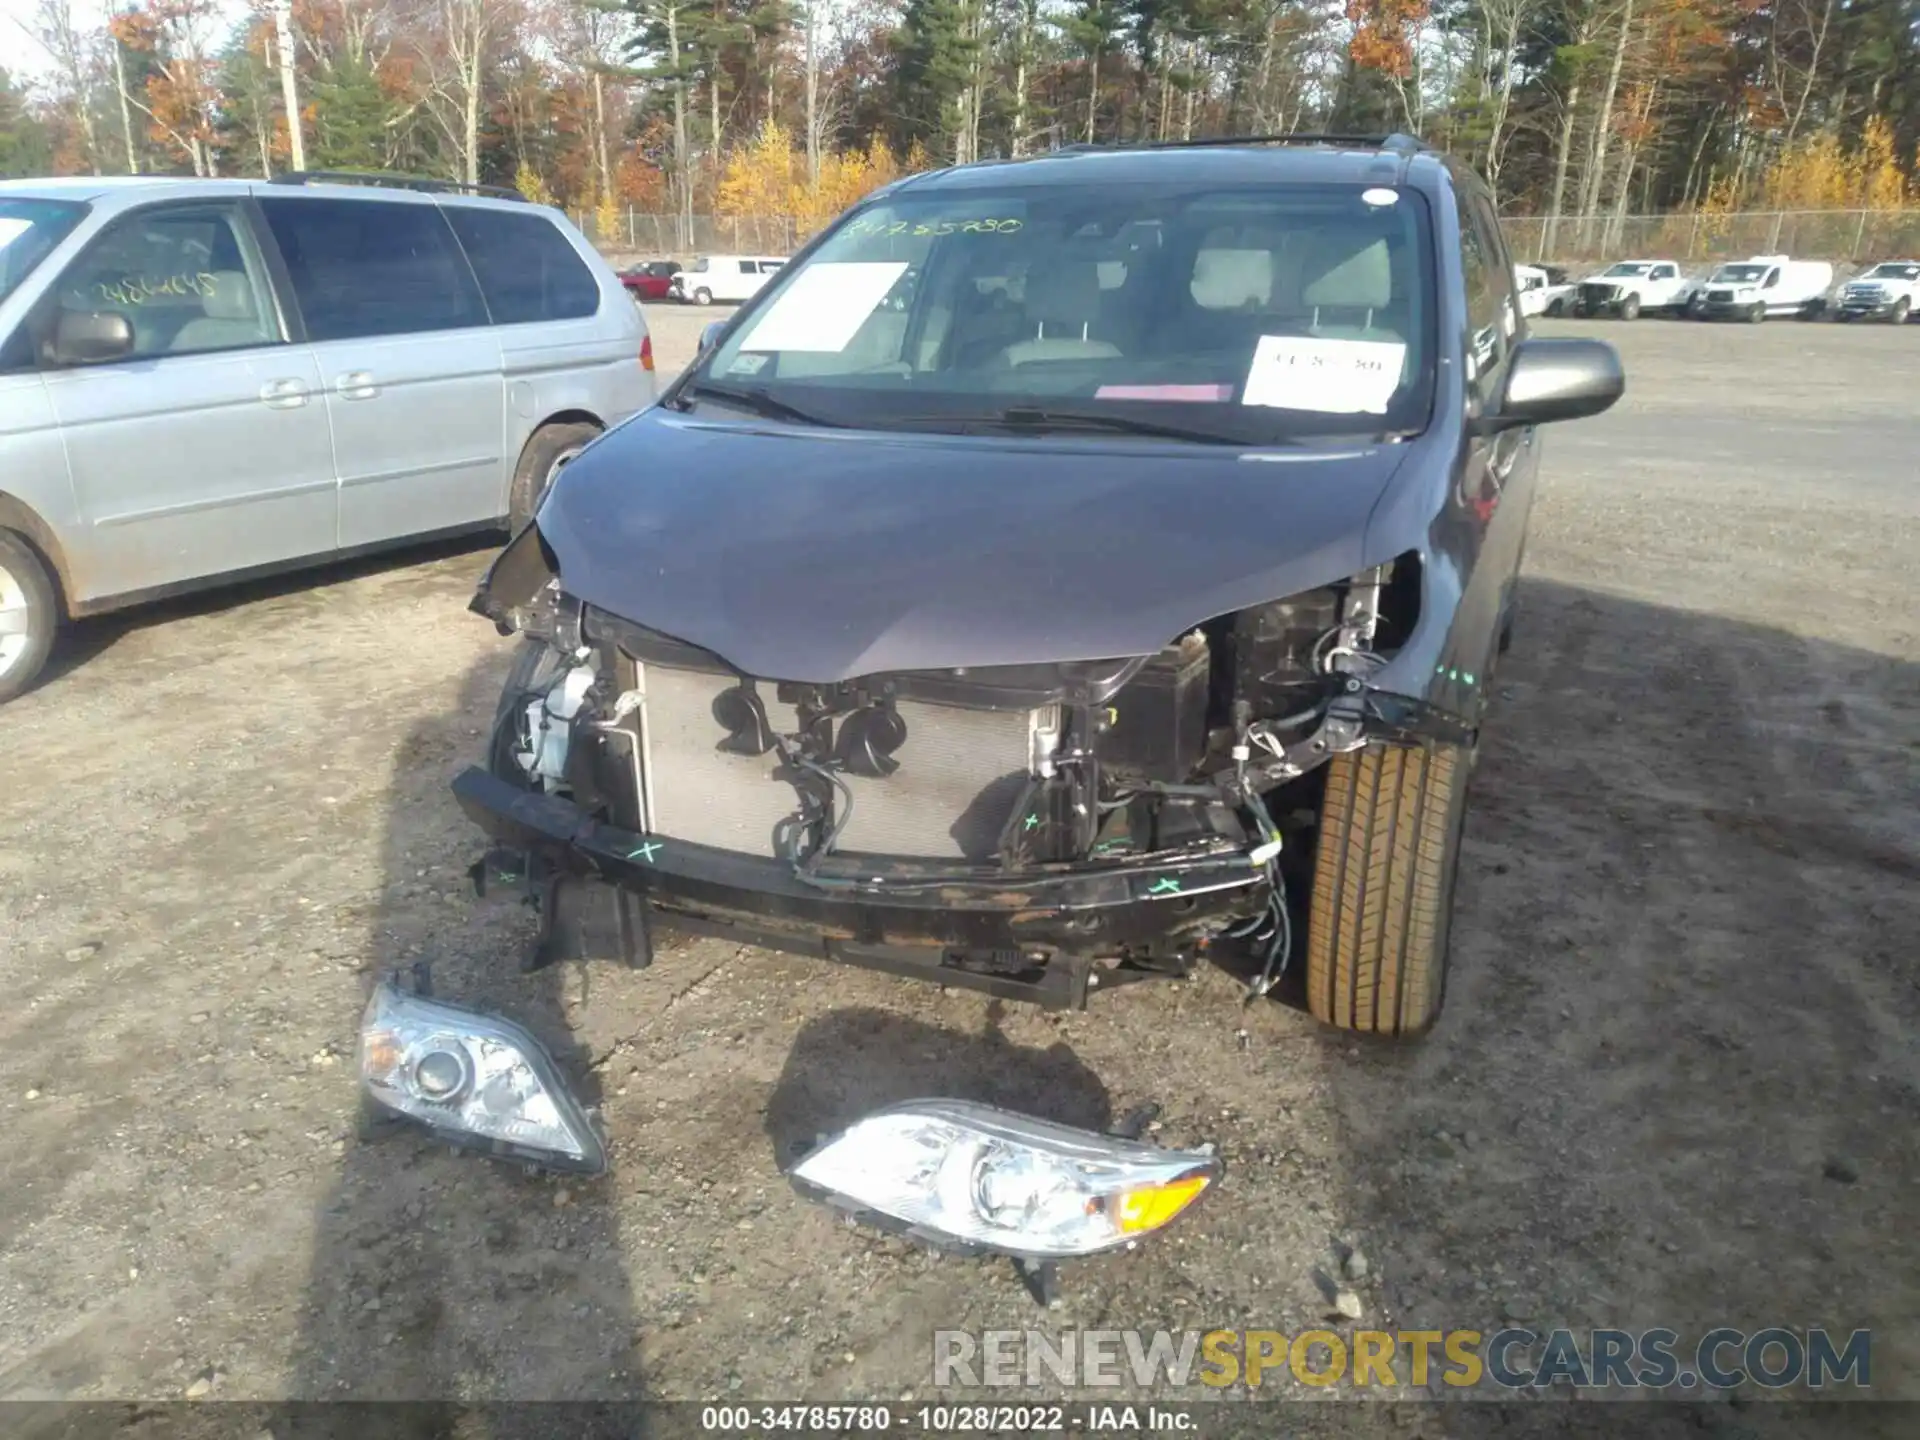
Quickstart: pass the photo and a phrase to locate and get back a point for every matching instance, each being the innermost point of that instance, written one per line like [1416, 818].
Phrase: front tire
[1898, 315]
[1381, 913]
[29, 615]
[551, 447]
[703, 297]
[1756, 312]
[1630, 308]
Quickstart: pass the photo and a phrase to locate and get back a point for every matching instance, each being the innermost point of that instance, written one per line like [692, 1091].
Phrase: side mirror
[710, 336]
[1556, 379]
[88, 337]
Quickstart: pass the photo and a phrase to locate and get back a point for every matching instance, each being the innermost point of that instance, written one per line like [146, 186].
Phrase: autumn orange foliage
[767, 177]
[1383, 32]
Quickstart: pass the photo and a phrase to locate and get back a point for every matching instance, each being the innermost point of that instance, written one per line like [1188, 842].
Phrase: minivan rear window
[527, 269]
[373, 267]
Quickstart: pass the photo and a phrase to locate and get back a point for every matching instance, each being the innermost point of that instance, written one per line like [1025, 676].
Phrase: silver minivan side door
[206, 450]
[409, 363]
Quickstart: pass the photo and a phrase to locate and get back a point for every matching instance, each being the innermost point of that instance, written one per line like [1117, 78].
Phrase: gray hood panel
[824, 555]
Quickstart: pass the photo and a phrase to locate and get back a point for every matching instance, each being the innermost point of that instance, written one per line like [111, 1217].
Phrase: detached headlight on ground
[474, 1080]
[950, 1170]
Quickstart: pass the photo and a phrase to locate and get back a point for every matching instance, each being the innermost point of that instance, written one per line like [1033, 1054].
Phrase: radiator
[696, 791]
[960, 775]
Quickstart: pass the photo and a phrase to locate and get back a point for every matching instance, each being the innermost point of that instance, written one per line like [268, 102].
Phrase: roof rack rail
[394, 181]
[1395, 143]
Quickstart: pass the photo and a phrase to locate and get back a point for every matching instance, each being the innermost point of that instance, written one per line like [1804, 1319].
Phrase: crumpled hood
[823, 555]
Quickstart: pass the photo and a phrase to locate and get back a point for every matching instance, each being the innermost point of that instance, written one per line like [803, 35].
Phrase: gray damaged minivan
[211, 380]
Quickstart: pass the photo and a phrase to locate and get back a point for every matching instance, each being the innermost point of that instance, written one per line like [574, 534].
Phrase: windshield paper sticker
[11, 230]
[1334, 377]
[825, 306]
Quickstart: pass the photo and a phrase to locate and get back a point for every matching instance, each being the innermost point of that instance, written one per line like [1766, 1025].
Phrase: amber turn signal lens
[646, 353]
[1151, 1206]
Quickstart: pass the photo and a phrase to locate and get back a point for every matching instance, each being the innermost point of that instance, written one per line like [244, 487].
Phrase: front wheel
[1389, 850]
[1630, 308]
[1756, 312]
[28, 615]
[703, 297]
[1898, 315]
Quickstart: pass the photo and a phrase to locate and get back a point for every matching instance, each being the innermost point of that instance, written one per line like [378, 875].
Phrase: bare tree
[53, 28]
[456, 40]
[289, 85]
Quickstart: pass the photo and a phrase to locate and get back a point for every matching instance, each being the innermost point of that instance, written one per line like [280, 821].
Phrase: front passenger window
[187, 279]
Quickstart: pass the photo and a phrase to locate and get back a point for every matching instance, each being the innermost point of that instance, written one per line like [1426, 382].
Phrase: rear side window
[369, 267]
[527, 269]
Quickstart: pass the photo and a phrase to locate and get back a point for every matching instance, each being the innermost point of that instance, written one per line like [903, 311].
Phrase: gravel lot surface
[1677, 1082]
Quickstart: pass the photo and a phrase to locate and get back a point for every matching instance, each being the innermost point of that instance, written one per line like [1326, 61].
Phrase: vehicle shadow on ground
[82, 641]
[1677, 1052]
[850, 1063]
[441, 1277]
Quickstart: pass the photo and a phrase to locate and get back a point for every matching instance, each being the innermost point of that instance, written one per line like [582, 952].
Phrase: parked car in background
[1888, 291]
[1633, 288]
[1544, 289]
[206, 380]
[650, 279]
[1765, 285]
[730, 278]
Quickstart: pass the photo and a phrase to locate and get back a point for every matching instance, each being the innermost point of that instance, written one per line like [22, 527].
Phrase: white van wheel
[703, 297]
[27, 615]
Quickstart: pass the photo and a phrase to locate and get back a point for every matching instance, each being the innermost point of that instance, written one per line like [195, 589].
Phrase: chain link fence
[1837, 235]
[681, 237]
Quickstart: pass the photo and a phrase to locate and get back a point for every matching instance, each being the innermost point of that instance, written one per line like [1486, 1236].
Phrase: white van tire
[703, 296]
[551, 447]
[29, 615]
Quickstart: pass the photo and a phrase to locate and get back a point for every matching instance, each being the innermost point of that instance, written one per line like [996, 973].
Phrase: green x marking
[1032, 820]
[1165, 885]
[644, 853]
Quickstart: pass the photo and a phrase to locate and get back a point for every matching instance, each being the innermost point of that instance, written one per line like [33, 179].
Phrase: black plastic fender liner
[517, 576]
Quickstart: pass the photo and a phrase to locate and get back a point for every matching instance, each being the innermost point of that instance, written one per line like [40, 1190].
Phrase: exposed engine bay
[972, 783]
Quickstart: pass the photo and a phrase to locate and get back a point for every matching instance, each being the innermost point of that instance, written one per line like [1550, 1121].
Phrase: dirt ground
[1677, 1082]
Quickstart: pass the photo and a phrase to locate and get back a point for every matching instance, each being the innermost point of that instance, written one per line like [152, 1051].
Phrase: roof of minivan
[1225, 163]
[97, 187]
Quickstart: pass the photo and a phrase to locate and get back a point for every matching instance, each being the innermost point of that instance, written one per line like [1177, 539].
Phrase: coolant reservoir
[549, 722]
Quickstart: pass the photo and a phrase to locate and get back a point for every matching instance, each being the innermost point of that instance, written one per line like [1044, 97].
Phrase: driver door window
[188, 280]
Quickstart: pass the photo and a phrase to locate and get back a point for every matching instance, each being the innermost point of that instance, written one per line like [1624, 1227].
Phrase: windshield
[1896, 271]
[1246, 315]
[700, 265]
[1631, 267]
[1741, 274]
[28, 230]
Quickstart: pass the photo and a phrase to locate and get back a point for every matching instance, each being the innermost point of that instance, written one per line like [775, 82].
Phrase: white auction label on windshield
[824, 306]
[1334, 377]
[12, 229]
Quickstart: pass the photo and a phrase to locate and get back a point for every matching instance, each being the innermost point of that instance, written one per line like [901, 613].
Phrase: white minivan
[731, 278]
[209, 380]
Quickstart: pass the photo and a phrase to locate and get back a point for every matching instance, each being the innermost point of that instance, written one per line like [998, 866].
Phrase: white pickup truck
[1633, 288]
[1890, 290]
[1765, 285]
[1544, 289]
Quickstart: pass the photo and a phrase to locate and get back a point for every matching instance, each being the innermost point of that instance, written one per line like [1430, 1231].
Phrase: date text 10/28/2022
[942, 1419]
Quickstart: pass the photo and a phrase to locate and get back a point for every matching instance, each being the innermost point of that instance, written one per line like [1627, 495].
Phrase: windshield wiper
[759, 401]
[1030, 417]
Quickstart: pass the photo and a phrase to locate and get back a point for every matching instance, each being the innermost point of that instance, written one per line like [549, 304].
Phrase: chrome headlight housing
[475, 1080]
[971, 1176]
